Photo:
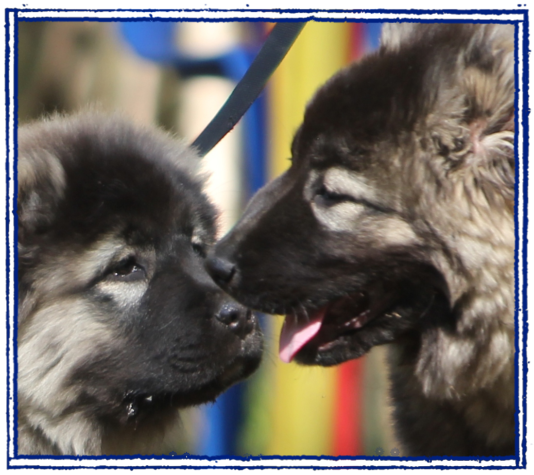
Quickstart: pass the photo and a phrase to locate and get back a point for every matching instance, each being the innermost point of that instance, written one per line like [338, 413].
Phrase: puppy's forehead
[135, 193]
[334, 149]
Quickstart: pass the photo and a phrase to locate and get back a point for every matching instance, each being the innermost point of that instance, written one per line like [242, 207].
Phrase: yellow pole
[303, 403]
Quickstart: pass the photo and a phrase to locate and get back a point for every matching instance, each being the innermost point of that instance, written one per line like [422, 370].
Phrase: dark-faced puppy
[395, 224]
[119, 324]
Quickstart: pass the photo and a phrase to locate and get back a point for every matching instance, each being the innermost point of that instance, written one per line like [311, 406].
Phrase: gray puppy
[119, 325]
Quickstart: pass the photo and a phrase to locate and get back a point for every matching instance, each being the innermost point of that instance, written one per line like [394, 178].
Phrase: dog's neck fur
[86, 437]
[483, 306]
[37, 437]
[475, 382]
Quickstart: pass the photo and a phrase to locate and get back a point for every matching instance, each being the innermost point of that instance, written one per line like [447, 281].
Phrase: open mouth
[324, 325]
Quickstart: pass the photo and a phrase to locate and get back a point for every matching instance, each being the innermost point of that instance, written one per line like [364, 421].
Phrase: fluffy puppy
[394, 224]
[119, 325]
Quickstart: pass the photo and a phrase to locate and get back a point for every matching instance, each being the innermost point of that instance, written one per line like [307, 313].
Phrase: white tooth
[393, 314]
[358, 324]
[359, 321]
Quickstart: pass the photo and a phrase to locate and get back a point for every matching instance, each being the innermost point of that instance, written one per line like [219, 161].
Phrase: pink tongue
[295, 334]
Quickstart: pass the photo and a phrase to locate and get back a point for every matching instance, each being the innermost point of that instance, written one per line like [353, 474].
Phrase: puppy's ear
[471, 121]
[487, 80]
[488, 85]
[41, 184]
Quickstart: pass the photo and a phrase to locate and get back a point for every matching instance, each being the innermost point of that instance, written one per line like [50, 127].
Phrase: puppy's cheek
[341, 217]
[125, 295]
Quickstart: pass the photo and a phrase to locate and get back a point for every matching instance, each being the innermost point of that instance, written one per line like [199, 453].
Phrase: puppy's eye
[127, 270]
[323, 197]
[198, 249]
[327, 199]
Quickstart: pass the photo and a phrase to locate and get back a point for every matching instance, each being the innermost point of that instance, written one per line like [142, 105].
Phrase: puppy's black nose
[237, 318]
[220, 269]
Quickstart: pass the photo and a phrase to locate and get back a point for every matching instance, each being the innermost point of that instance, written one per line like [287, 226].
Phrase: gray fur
[119, 325]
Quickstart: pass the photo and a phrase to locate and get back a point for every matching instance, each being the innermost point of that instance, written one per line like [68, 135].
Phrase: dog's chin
[140, 404]
[246, 363]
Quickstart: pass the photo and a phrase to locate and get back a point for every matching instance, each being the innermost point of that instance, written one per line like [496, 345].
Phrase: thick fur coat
[119, 325]
[394, 224]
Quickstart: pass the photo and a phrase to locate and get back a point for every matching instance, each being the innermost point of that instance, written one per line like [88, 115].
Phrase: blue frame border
[522, 87]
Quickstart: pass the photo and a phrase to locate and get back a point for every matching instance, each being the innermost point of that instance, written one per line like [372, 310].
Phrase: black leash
[282, 37]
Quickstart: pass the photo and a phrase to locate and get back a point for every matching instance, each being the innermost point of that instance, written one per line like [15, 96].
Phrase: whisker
[305, 312]
[429, 305]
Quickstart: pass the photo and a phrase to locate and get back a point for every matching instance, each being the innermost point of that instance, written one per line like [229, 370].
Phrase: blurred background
[177, 76]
